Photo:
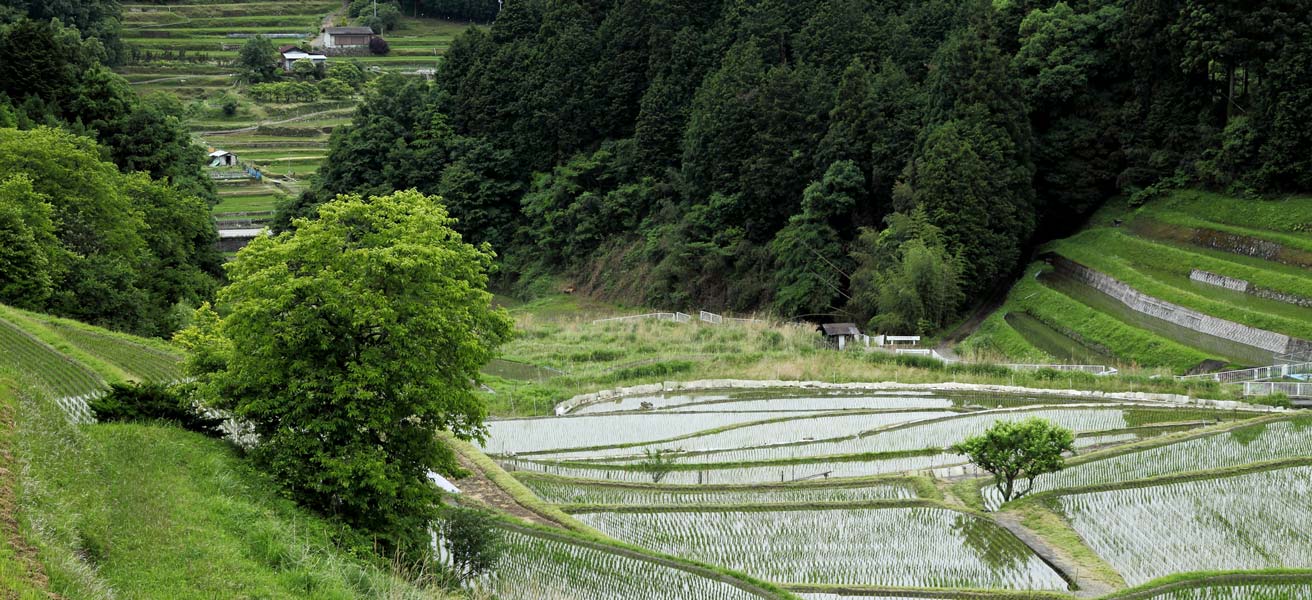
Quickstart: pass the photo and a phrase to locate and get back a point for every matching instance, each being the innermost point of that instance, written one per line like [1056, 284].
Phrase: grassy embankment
[560, 352]
[1154, 248]
[146, 511]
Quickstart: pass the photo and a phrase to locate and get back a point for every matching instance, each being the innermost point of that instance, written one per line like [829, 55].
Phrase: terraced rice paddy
[145, 362]
[783, 473]
[545, 568]
[567, 492]
[186, 48]
[28, 356]
[788, 512]
[1257, 443]
[780, 400]
[941, 433]
[915, 546]
[804, 427]
[1242, 592]
[513, 436]
[1251, 521]
[827, 596]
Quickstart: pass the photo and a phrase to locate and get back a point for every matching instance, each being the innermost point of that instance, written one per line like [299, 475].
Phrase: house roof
[833, 329]
[350, 30]
[218, 153]
[298, 55]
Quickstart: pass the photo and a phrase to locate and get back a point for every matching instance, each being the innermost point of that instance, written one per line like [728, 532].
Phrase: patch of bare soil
[479, 488]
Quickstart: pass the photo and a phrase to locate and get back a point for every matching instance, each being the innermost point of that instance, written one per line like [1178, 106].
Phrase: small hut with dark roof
[839, 335]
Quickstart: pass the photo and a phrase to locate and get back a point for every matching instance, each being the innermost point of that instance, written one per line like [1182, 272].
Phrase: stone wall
[1229, 283]
[1277, 343]
[1239, 285]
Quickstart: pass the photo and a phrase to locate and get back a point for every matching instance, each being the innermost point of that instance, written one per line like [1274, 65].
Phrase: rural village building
[223, 158]
[291, 54]
[347, 37]
[840, 335]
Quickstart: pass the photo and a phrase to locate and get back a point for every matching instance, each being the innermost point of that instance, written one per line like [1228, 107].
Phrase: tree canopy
[1012, 450]
[347, 343]
[664, 152]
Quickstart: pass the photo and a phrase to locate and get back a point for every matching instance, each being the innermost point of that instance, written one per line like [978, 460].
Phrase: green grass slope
[1154, 248]
[152, 511]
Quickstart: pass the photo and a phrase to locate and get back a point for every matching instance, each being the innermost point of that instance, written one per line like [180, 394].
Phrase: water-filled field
[548, 569]
[1256, 443]
[860, 490]
[916, 546]
[569, 492]
[1252, 521]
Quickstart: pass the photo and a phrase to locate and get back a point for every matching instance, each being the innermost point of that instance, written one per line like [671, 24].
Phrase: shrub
[379, 46]
[147, 402]
[473, 541]
[335, 88]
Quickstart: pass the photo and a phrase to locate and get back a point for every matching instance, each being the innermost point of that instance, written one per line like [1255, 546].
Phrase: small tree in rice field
[1012, 450]
[657, 464]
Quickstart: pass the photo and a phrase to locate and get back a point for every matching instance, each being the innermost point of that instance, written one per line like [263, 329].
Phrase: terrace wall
[1277, 343]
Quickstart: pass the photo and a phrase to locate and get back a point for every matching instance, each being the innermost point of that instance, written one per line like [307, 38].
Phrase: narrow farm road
[1089, 587]
[479, 488]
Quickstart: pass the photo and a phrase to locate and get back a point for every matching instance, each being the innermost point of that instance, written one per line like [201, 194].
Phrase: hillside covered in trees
[104, 207]
[828, 157]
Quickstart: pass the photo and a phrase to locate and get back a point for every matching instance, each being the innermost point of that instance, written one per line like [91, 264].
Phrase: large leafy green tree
[1013, 450]
[353, 339]
[258, 60]
[29, 252]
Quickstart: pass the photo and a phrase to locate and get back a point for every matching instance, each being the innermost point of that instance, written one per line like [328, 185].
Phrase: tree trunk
[1230, 92]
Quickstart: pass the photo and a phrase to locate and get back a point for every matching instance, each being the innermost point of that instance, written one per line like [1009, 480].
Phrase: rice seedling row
[148, 363]
[513, 436]
[805, 428]
[719, 401]
[938, 434]
[747, 475]
[1244, 445]
[1242, 592]
[905, 547]
[565, 492]
[1245, 522]
[826, 596]
[541, 568]
[62, 375]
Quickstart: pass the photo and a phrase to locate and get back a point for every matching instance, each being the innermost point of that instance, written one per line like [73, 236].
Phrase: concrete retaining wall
[1277, 343]
[1240, 285]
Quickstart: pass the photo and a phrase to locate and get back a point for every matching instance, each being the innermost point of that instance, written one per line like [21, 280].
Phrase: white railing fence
[1268, 388]
[1254, 374]
[1095, 369]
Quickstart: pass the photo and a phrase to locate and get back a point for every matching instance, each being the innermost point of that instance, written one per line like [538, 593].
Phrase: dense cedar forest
[885, 160]
[847, 157]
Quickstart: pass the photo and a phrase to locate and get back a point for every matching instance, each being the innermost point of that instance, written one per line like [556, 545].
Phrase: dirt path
[1055, 557]
[340, 111]
[479, 488]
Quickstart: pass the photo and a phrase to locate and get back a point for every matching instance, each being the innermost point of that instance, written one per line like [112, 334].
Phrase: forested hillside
[896, 158]
[104, 209]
